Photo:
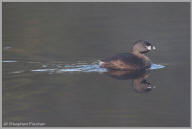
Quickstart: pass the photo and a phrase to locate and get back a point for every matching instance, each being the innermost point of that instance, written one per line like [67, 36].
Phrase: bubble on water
[44, 66]
[16, 72]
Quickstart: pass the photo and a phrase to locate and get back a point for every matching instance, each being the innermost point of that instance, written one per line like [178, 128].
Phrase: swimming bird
[135, 60]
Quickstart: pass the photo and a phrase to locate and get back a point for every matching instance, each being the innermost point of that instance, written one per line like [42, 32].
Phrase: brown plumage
[136, 60]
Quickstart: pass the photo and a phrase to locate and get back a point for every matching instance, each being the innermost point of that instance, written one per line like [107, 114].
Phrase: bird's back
[126, 61]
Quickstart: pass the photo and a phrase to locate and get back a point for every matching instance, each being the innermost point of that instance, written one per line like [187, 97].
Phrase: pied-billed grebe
[136, 60]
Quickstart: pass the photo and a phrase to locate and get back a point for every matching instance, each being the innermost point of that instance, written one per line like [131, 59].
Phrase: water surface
[50, 71]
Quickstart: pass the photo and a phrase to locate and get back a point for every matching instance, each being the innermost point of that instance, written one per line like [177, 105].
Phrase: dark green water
[53, 35]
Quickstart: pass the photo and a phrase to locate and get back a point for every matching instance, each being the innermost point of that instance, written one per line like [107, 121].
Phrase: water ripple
[85, 68]
[156, 66]
[59, 67]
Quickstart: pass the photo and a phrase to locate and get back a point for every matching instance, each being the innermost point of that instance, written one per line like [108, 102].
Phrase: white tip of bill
[154, 47]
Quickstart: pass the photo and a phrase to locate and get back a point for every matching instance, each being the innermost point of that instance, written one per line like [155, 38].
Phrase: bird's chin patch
[143, 52]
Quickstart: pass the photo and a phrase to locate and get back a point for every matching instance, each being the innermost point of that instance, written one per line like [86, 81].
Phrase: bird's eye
[147, 44]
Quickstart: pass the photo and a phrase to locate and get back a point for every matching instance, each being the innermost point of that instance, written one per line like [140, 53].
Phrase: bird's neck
[142, 56]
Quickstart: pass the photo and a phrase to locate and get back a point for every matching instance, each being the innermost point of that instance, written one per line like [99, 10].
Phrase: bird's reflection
[140, 84]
